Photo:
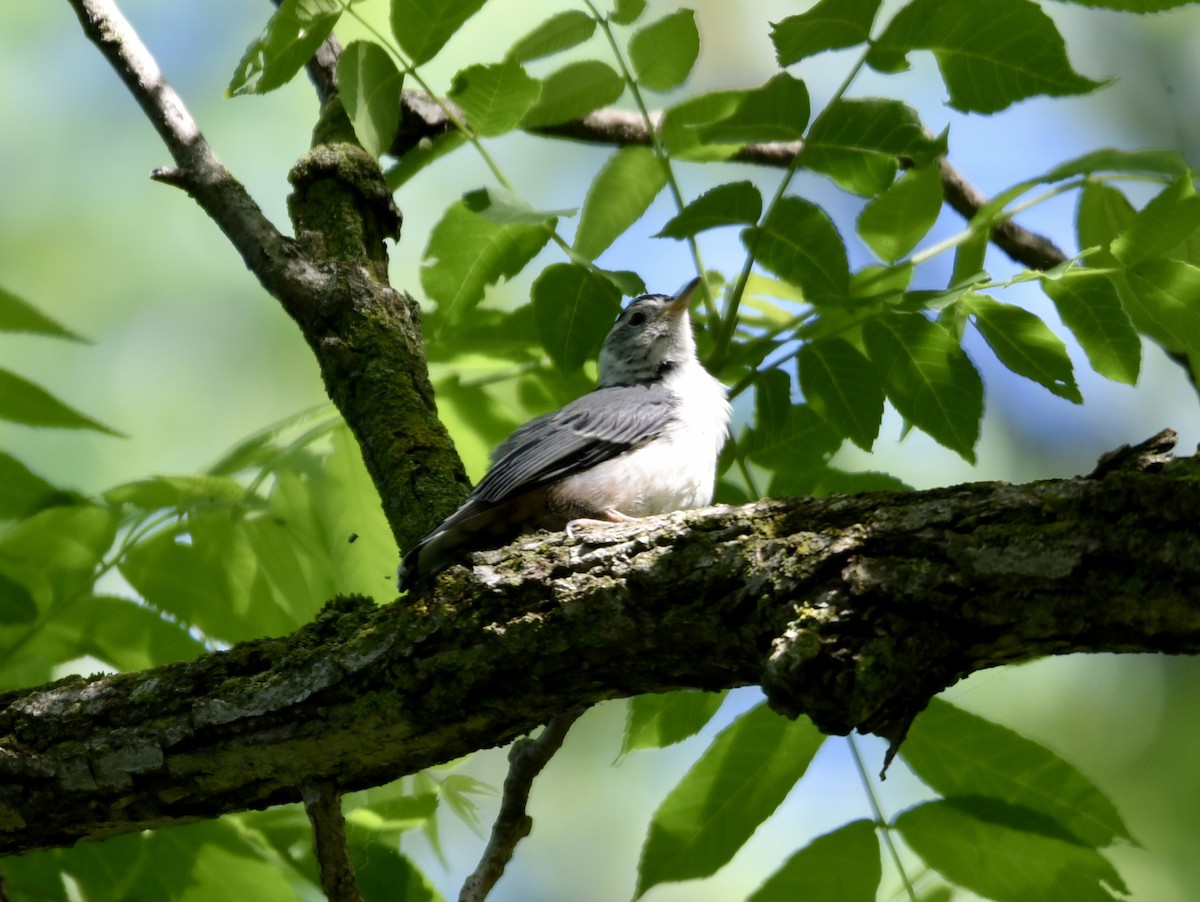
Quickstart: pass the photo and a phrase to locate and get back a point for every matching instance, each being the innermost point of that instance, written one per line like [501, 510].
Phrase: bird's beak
[684, 299]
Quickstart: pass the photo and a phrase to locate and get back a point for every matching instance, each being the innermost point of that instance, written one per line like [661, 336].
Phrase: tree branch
[526, 759]
[332, 279]
[323, 804]
[851, 610]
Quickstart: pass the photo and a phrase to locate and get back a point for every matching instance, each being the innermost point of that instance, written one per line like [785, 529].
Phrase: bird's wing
[588, 431]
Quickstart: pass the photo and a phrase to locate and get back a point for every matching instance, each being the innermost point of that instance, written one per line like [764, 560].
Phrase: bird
[644, 441]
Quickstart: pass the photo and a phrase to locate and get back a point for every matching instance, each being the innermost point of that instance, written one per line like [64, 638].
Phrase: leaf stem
[884, 828]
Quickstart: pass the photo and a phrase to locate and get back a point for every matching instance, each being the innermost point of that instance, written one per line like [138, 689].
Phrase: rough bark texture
[851, 610]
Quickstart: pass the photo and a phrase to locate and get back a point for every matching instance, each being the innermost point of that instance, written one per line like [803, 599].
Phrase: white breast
[676, 471]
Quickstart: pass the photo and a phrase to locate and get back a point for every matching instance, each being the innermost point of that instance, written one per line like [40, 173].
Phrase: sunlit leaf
[777, 111]
[734, 203]
[841, 866]
[679, 131]
[859, 143]
[1168, 219]
[575, 308]
[962, 754]
[417, 158]
[799, 243]
[843, 386]
[657, 720]
[828, 25]
[619, 195]
[22, 401]
[126, 635]
[1025, 345]
[574, 91]
[18, 315]
[928, 377]
[786, 434]
[466, 253]
[1090, 307]
[158, 492]
[560, 32]
[422, 28]
[991, 53]
[892, 223]
[1162, 298]
[292, 36]
[1103, 214]
[737, 783]
[503, 207]
[626, 12]
[664, 52]
[369, 84]
[1006, 853]
[21, 490]
[495, 97]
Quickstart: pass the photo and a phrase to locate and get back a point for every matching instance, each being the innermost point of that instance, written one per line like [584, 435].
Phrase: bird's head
[651, 337]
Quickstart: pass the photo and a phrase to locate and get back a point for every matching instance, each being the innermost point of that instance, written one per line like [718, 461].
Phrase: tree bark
[851, 610]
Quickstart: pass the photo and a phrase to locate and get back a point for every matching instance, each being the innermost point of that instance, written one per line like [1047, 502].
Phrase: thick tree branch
[526, 759]
[323, 804]
[852, 610]
[332, 279]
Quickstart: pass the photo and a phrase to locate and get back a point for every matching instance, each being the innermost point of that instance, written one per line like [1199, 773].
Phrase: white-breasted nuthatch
[644, 441]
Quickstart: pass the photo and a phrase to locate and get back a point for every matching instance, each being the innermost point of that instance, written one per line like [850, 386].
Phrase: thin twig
[267, 253]
[526, 759]
[323, 805]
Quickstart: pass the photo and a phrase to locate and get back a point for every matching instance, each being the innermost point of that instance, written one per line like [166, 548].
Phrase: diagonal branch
[526, 759]
[851, 610]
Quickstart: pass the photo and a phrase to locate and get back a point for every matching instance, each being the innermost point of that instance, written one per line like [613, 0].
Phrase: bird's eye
[637, 318]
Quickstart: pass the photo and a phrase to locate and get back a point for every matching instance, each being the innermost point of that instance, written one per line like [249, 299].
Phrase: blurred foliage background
[189, 355]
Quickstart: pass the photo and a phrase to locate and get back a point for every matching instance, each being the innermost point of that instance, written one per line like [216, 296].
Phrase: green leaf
[1169, 163]
[778, 111]
[1025, 345]
[466, 253]
[962, 754]
[369, 84]
[574, 91]
[1103, 214]
[1168, 219]
[621, 192]
[1134, 6]
[895, 221]
[495, 97]
[17, 315]
[21, 490]
[786, 435]
[1006, 853]
[127, 635]
[1090, 307]
[501, 206]
[735, 786]
[859, 143]
[422, 28]
[657, 720]
[928, 378]
[828, 25]
[734, 203]
[679, 132]
[55, 552]
[575, 308]
[1162, 298]
[842, 386]
[179, 492]
[24, 402]
[559, 32]
[798, 242]
[16, 602]
[292, 36]
[841, 866]
[991, 53]
[626, 12]
[425, 152]
[664, 52]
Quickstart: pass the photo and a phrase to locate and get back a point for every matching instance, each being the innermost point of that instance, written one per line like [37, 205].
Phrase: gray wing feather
[590, 430]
